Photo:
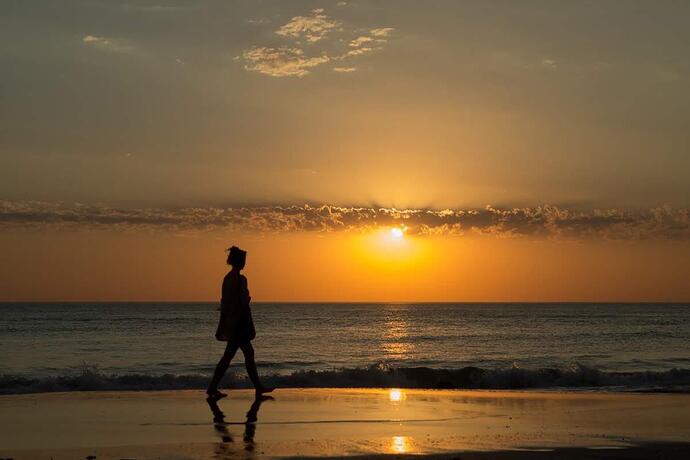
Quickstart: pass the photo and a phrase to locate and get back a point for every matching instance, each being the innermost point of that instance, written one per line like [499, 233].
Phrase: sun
[391, 248]
[397, 232]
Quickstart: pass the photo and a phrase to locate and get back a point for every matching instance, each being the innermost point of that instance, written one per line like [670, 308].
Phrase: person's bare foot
[215, 395]
[263, 390]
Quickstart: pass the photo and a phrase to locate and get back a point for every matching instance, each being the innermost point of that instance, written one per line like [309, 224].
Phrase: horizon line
[370, 302]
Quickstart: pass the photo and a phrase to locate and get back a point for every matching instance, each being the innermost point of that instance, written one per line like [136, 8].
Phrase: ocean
[138, 346]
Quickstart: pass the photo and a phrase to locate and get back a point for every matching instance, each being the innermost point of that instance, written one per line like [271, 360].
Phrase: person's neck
[235, 271]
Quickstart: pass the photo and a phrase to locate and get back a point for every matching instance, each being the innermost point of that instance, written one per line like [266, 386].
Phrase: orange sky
[341, 267]
[536, 150]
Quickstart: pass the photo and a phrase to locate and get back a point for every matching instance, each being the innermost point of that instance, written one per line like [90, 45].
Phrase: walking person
[236, 326]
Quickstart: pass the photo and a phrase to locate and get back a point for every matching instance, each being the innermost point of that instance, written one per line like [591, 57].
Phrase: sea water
[82, 346]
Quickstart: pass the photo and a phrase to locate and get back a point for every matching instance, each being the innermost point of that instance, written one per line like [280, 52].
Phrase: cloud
[327, 40]
[93, 39]
[153, 8]
[311, 28]
[259, 21]
[107, 44]
[357, 52]
[549, 64]
[359, 41]
[381, 32]
[541, 221]
[281, 62]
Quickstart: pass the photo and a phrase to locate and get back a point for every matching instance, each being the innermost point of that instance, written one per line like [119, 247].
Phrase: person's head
[237, 258]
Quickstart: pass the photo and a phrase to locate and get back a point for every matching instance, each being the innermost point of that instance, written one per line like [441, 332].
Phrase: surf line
[309, 422]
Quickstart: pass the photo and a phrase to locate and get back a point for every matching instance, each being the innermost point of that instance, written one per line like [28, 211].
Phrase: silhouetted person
[236, 325]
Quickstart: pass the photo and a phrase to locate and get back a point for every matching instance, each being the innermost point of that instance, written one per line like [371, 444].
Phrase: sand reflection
[400, 444]
[396, 394]
[225, 449]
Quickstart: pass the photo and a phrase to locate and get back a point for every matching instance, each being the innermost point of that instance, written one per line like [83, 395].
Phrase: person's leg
[230, 350]
[250, 364]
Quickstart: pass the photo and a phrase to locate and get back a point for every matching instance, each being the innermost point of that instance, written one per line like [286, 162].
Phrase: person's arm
[245, 298]
[226, 294]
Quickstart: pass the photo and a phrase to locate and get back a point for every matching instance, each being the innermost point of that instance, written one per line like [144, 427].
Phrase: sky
[527, 151]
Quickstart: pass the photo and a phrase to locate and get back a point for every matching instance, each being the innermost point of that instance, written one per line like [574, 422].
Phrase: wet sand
[345, 422]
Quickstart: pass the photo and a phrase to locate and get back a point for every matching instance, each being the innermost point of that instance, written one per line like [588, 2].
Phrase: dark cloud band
[541, 221]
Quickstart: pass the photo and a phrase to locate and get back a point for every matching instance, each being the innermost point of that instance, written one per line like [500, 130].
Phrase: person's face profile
[237, 259]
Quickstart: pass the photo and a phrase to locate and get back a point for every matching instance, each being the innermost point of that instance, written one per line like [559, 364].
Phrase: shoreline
[355, 423]
[555, 390]
[571, 379]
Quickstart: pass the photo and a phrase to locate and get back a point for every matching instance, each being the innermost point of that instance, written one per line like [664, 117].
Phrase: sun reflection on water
[396, 344]
[396, 395]
[400, 444]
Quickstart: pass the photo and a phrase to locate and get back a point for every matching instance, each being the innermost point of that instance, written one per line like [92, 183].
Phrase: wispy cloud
[549, 64]
[540, 221]
[312, 28]
[108, 44]
[361, 40]
[152, 8]
[313, 40]
[281, 62]
[358, 52]
[344, 69]
[381, 32]
[258, 21]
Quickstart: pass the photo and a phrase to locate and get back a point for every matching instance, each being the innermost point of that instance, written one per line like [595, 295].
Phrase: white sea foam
[375, 376]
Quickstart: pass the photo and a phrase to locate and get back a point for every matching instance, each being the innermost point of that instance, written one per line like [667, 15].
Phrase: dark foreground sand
[472, 425]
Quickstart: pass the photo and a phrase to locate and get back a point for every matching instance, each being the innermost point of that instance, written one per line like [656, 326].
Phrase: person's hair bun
[236, 255]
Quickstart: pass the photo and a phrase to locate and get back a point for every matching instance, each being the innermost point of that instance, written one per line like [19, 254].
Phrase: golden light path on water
[399, 444]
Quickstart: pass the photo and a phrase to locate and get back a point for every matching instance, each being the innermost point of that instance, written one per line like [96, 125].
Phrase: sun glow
[390, 249]
[397, 232]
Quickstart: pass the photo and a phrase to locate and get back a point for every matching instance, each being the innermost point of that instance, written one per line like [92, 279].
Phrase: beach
[321, 422]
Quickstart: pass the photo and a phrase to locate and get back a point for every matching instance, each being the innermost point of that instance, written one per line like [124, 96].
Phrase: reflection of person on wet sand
[221, 426]
[236, 326]
[252, 417]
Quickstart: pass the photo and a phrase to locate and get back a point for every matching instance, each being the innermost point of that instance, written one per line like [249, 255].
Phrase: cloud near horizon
[541, 221]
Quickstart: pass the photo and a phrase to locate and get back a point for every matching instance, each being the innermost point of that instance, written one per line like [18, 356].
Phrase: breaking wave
[90, 378]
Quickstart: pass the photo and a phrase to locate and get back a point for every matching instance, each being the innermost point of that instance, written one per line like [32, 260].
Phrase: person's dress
[235, 324]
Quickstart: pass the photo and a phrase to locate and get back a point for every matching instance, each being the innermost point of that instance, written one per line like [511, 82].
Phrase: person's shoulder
[233, 278]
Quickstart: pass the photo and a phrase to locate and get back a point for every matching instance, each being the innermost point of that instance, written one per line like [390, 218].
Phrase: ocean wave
[90, 378]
